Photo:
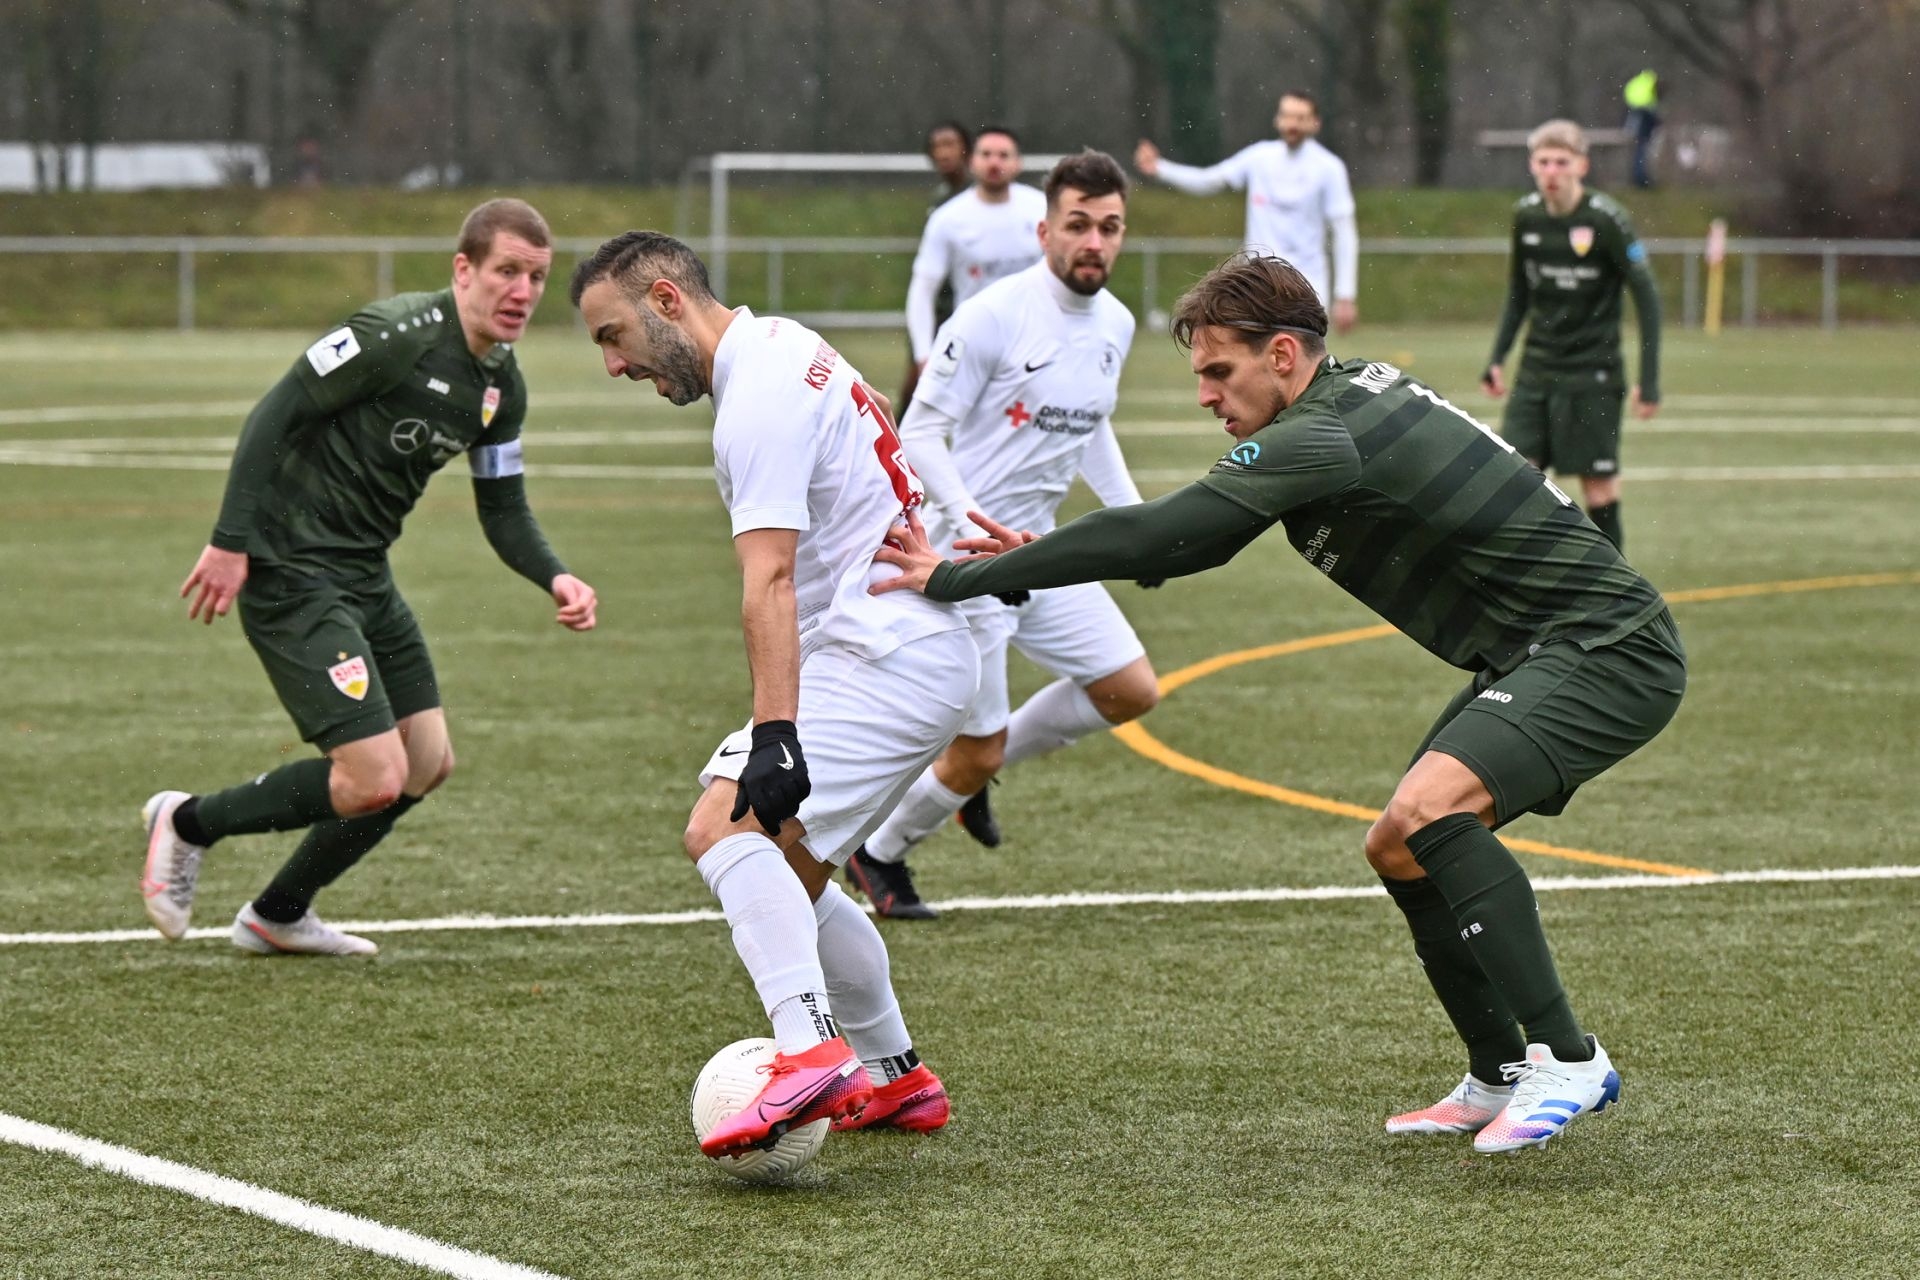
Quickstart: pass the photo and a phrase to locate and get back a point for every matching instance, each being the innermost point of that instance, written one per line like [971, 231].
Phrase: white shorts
[867, 729]
[1077, 632]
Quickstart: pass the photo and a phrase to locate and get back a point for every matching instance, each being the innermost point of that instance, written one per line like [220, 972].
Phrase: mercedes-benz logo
[408, 434]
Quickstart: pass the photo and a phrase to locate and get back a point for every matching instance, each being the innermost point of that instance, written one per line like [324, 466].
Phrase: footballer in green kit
[1443, 529]
[1573, 253]
[329, 464]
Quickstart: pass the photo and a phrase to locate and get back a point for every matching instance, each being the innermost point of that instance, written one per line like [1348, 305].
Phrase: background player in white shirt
[852, 695]
[1018, 400]
[1297, 191]
[977, 237]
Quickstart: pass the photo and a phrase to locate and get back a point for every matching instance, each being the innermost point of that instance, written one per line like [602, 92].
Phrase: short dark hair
[954, 127]
[1257, 297]
[1002, 130]
[1091, 173]
[515, 217]
[635, 259]
[1301, 94]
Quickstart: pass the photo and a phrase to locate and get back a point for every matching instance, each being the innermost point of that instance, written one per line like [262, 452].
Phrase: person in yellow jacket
[1643, 121]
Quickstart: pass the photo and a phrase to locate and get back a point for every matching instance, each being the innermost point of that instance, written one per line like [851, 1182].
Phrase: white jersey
[970, 243]
[801, 442]
[1293, 197]
[1030, 372]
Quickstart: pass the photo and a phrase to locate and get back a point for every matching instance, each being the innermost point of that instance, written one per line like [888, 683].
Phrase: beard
[1080, 284]
[674, 358]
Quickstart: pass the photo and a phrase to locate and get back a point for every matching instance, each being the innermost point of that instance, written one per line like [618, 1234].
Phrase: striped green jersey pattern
[402, 397]
[1432, 521]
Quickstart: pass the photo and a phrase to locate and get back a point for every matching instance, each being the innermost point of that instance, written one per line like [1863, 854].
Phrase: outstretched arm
[1185, 532]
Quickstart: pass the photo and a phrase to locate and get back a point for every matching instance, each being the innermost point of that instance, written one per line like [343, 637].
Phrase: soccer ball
[730, 1080]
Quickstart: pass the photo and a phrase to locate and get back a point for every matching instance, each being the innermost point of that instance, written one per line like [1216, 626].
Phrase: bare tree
[1170, 48]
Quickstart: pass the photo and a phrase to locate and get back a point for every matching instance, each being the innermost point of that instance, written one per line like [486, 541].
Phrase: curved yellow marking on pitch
[1137, 738]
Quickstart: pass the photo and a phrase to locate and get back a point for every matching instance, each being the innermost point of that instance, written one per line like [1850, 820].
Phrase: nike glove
[774, 781]
[1149, 583]
[1013, 599]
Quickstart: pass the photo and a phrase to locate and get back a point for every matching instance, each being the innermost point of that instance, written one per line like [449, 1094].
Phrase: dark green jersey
[1565, 278]
[390, 397]
[1432, 521]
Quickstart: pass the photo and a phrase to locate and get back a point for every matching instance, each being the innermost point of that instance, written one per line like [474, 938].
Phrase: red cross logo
[1018, 415]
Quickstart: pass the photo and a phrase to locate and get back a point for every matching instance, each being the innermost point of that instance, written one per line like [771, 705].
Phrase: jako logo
[1244, 454]
[1495, 695]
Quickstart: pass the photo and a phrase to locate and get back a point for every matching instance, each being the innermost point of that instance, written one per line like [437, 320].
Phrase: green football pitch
[1171, 1010]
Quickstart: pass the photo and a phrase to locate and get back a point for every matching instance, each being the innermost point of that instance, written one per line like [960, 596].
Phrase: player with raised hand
[1431, 520]
[327, 468]
[1016, 402]
[852, 694]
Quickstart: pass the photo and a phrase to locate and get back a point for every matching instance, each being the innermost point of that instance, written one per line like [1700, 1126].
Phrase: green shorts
[1568, 427]
[1563, 716]
[346, 659]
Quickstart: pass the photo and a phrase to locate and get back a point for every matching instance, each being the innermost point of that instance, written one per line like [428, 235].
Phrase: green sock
[328, 850]
[1479, 1014]
[292, 796]
[1498, 918]
[1607, 518]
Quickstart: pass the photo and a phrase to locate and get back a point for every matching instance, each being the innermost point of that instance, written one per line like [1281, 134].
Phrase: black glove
[1013, 599]
[1149, 583]
[774, 781]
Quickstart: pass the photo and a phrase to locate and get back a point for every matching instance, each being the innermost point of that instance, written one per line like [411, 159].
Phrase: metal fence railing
[1743, 255]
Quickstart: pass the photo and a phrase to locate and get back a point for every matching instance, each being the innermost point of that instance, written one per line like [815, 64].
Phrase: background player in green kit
[1573, 250]
[329, 464]
[1439, 526]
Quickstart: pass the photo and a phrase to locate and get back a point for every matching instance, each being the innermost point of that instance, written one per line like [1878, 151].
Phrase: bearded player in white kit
[852, 694]
[1018, 400]
[1297, 192]
[979, 236]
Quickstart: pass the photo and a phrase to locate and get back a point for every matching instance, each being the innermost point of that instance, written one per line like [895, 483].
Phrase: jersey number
[893, 456]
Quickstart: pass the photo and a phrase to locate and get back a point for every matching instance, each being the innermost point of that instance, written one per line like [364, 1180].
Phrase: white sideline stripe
[1038, 902]
[33, 457]
[301, 1215]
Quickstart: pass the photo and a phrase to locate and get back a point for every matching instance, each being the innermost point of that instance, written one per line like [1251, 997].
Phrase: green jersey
[389, 398]
[1420, 512]
[1565, 278]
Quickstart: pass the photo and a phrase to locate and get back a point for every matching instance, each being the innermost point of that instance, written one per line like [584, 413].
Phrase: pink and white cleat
[916, 1102]
[826, 1081]
[173, 866]
[1547, 1095]
[1470, 1108]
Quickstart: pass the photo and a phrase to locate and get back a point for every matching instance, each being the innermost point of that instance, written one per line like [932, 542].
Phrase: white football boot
[1470, 1108]
[173, 866]
[1547, 1095]
[307, 936]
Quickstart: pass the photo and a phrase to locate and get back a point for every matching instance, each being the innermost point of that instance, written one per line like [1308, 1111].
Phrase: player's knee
[371, 788]
[1387, 852]
[971, 762]
[438, 774]
[1138, 699]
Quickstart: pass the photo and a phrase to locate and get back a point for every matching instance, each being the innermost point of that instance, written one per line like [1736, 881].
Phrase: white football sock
[860, 982]
[1057, 716]
[774, 933]
[927, 804]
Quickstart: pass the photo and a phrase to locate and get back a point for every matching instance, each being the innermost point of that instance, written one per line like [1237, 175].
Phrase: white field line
[330, 1224]
[1038, 902]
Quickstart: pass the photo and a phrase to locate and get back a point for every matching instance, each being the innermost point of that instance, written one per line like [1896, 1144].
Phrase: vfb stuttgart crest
[1581, 238]
[350, 677]
[490, 402]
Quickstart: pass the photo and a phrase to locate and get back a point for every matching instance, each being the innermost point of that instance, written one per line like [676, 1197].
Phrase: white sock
[1059, 715]
[860, 982]
[927, 804]
[774, 933]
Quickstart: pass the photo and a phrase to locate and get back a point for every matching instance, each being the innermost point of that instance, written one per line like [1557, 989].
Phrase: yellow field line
[1139, 740]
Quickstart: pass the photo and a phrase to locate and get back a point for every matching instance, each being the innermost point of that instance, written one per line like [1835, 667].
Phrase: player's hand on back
[577, 603]
[1493, 382]
[774, 781]
[1146, 158]
[218, 575]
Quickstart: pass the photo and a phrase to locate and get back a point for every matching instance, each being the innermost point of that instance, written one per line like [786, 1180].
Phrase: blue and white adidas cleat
[1547, 1095]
